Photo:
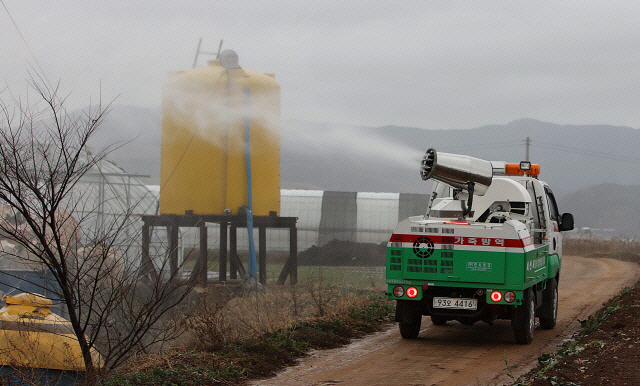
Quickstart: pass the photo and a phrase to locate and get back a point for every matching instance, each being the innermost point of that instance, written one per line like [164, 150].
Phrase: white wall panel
[377, 216]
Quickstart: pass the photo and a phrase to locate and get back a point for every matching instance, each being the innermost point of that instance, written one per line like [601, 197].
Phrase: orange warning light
[515, 170]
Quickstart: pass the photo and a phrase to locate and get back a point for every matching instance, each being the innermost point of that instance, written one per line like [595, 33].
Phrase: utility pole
[528, 143]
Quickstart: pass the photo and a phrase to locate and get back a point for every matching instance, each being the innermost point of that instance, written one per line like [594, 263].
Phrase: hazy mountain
[387, 158]
[606, 208]
[588, 167]
[134, 132]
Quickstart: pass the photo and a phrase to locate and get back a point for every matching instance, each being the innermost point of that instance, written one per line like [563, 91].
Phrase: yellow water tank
[203, 155]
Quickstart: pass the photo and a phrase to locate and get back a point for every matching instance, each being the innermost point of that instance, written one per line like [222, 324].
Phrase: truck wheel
[467, 321]
[410, 330]
[438, 320]
[549, 309]
[524, 320]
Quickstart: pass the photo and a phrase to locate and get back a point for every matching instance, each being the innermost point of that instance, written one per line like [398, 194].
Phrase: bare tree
[112, 306]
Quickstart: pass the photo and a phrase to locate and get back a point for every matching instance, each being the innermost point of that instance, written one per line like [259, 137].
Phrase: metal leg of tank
[233, 240]
[285, 271]
[291, 265]
[203, 258]
[174, 244]
[241, 271]
[262, 254]
[293, 253]
[199, 271]
[146, 264]
[223, 252]
[201, 267]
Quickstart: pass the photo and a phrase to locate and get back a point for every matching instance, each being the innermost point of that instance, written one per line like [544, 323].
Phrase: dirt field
[607, 354]
[459, 355]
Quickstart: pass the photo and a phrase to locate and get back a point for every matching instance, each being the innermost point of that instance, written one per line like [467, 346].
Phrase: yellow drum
[34, 337]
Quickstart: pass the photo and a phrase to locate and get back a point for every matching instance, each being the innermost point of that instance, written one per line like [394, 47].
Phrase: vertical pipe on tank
[252, 249]
[227, 128]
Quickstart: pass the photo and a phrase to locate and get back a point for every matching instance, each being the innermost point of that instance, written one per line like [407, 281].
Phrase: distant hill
[135, 132]
[588, 166]
[605, 208]
[388, 158]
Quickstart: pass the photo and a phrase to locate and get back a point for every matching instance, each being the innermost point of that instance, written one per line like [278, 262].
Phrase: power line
[44, 76]
[590, 153]
[481, 146]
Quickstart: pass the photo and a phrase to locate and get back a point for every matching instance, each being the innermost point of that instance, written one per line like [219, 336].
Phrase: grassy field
[626, 250]
[360, 277]
[356, 276]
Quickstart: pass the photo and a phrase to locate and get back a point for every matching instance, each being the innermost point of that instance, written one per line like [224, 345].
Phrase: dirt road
[461, 355]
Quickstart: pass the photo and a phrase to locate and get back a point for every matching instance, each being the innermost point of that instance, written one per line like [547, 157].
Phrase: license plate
[456, 303]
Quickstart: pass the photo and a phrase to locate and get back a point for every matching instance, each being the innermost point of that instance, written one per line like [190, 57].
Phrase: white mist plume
[359, 142]
[210, 110]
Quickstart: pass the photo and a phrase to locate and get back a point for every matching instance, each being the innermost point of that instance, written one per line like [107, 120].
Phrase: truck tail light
[496, 296]
[398, 291]
[412, 292]
[509, 297]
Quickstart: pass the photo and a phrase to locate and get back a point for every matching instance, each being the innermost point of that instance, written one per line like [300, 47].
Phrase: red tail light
[496, 296]
[412, 292]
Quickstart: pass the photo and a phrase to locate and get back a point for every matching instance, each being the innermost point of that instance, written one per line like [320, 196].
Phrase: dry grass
[231, 339]
[244, 318]
[627, 250]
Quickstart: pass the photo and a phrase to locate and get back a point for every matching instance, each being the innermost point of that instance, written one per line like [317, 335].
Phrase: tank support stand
[228, 229]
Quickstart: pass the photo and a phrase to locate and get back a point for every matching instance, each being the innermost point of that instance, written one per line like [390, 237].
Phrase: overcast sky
[429, 64]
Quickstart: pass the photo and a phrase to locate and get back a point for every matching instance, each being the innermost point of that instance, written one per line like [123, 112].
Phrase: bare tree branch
[51, 219]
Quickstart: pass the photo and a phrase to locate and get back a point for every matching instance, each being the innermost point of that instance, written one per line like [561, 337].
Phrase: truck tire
[549, 309]
[410, 330]
[467, 321]
[438, 320]
[524, 320]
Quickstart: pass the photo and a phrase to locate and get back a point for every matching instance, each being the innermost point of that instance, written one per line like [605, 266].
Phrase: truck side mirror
[566, 223]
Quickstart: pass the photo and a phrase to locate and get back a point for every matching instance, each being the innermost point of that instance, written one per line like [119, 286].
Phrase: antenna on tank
[198, 52]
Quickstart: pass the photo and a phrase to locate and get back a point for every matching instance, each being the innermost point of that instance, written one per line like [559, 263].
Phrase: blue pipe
[252, 248]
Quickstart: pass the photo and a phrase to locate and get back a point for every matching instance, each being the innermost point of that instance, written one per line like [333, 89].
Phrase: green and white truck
[489, 247]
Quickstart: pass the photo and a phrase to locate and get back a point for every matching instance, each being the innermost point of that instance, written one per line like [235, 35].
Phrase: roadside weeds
[604, 352]
[225, 351]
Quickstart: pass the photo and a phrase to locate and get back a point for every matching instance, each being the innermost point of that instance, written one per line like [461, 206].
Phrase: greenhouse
[104, 201]
[324, 216]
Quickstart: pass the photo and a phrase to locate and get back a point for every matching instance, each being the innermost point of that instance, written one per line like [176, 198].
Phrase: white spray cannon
[464, 173]
[470, 175]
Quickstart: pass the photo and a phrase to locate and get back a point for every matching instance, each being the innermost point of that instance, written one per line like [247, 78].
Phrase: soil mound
[344, 253]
